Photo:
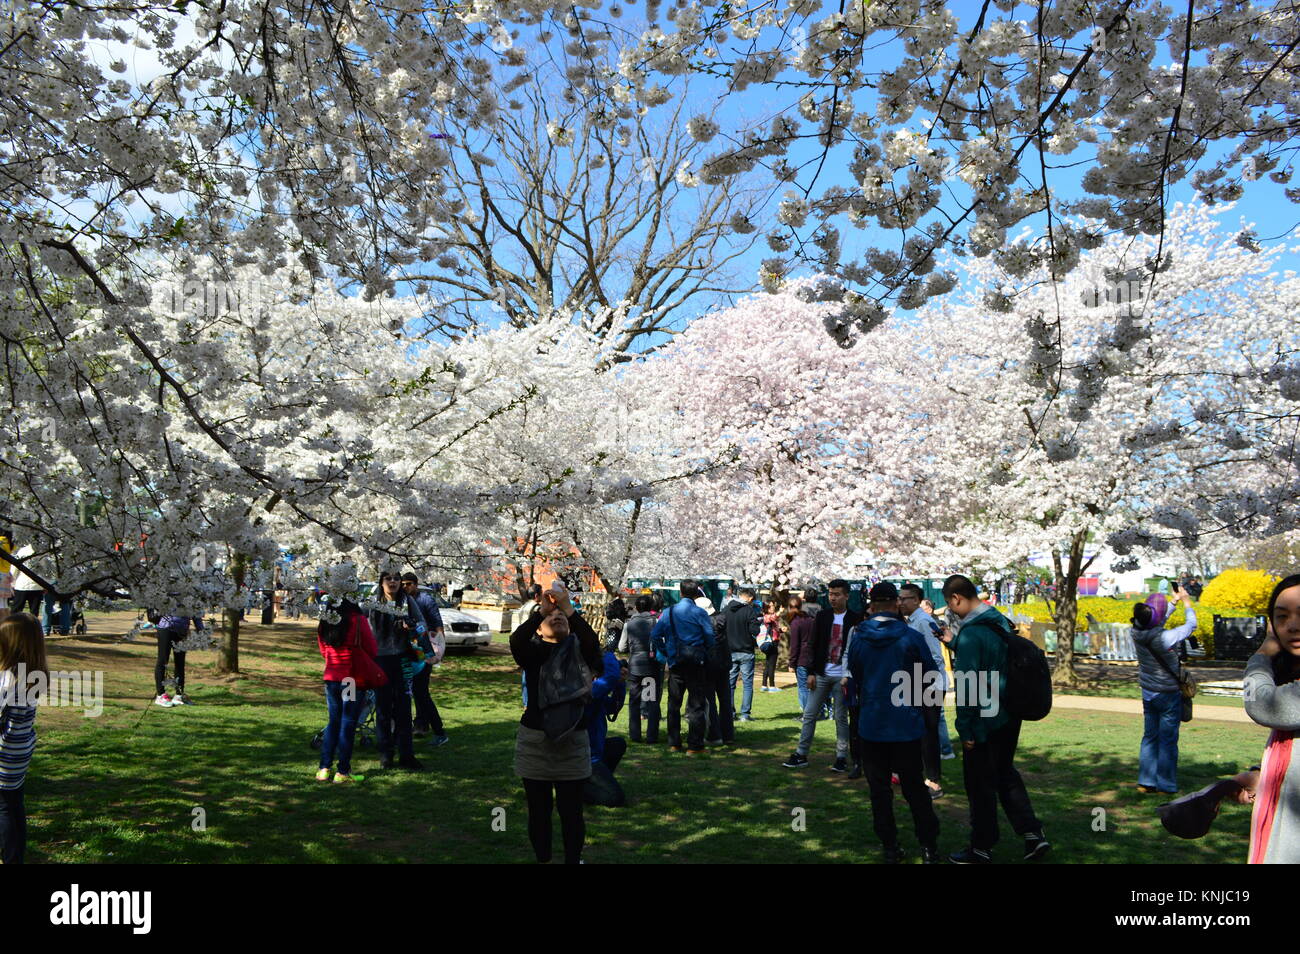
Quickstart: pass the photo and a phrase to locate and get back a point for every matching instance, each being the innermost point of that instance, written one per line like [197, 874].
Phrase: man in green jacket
[989, 734]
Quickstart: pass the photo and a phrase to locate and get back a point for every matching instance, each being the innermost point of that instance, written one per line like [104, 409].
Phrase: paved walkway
[1201, 713]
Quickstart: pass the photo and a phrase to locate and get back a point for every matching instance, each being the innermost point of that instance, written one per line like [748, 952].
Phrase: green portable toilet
[932, 590]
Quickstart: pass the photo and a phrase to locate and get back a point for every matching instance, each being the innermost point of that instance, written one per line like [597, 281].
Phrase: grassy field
[133, 784]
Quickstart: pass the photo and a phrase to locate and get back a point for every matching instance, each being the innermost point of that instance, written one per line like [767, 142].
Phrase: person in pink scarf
[1272, 694]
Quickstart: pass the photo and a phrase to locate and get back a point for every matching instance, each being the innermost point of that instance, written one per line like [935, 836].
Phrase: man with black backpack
[686, 633]
[989, 732]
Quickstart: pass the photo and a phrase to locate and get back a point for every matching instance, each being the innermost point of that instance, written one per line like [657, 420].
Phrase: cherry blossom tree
[808, 430]
[577, 448]
[301, 139]
[957, 123]
[1117, 403]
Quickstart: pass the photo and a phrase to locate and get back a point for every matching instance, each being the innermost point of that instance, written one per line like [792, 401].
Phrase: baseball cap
[883, 592]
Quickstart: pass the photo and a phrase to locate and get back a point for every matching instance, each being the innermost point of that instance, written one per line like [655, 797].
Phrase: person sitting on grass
[341, 636]
[608, 691]
[22, 656]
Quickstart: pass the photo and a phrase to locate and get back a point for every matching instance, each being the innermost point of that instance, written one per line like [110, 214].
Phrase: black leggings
[769, 670]
[13, 826]
[167, 639]
[568, 799]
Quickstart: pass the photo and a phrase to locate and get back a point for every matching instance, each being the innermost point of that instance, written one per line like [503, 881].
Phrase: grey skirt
[567, 759]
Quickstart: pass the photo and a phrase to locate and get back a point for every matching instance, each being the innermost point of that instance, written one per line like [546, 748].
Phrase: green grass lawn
[125, 787]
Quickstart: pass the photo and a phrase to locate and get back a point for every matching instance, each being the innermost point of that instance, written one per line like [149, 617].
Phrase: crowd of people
[880, 676]
[851, 663]
[389, 651]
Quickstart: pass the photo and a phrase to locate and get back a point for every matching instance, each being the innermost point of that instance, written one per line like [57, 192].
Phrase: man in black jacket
[645, 681]
[827, 677]
[722, 712]
[743, 623]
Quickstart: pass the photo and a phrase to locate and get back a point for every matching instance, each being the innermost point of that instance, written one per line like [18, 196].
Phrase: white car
[461, 630]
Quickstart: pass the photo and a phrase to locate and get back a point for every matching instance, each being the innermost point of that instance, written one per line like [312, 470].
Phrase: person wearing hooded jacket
[743, 622]
[890, 724]
[1162, 702]
[800, 645]
[989, 734]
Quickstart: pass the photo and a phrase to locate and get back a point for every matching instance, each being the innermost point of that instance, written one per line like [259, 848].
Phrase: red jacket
[338, 659]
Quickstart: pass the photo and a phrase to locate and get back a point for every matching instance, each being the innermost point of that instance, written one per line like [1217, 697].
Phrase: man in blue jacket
[687, 635]
[892, 670]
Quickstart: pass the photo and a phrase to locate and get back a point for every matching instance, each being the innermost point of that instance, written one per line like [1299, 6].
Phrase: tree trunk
[1066, 611]
[228, 647]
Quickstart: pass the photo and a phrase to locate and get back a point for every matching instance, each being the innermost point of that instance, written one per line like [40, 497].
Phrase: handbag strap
[1155, 651]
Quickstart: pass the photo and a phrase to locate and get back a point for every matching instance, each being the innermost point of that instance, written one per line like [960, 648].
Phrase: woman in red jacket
[341, 633]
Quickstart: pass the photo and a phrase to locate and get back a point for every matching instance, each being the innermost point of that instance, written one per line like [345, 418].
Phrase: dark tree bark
[228, 647]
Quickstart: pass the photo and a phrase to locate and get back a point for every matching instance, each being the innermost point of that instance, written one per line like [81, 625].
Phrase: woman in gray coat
[1162, 702]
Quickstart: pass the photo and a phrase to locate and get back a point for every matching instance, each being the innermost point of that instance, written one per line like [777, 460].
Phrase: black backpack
[1028, 695]
[564, 688]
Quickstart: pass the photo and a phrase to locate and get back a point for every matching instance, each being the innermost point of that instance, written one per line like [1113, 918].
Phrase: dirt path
[1134, 707]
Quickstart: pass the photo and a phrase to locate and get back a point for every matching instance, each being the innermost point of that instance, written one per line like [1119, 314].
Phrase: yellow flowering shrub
[1246, 591]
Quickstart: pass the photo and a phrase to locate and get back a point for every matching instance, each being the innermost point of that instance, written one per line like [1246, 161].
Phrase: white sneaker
[179, 699]
[165, 701]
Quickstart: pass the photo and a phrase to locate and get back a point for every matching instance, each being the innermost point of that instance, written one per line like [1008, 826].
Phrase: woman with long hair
[799, 647]
[552, 756]
[341, 634]
[1272, 693]
[775, 625]
[394, 620]
[22, 657]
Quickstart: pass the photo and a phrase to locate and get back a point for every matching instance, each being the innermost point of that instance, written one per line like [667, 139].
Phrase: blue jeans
[742, 667]
[64, 624]
[1158, 761]
[801, 678]
[945, 743]
[828, 689]
[342, 727]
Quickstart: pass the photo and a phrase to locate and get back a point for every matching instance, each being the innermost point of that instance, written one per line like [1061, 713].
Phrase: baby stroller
[365, 724]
